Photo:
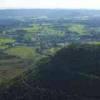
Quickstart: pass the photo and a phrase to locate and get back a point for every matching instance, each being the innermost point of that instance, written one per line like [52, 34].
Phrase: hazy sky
[88, 4]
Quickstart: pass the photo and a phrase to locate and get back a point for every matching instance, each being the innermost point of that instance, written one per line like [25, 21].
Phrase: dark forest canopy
[72, 73]
[78, 62]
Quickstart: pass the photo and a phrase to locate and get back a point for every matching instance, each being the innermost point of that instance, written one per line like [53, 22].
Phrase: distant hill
[52, 13]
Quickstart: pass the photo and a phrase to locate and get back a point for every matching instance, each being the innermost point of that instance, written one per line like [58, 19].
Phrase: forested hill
[52, 13]
[75, 62]
[73, 74]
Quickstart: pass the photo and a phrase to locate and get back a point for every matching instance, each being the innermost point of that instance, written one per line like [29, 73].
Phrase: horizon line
[48, 8]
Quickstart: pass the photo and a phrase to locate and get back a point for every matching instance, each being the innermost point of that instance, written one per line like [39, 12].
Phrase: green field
[6, 40]
[23, 52]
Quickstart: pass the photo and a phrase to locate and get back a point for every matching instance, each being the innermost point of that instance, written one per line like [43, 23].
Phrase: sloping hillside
[73, 74]
[76, 62]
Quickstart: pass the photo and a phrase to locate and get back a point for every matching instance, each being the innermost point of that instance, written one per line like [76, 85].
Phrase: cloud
[89, 4]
